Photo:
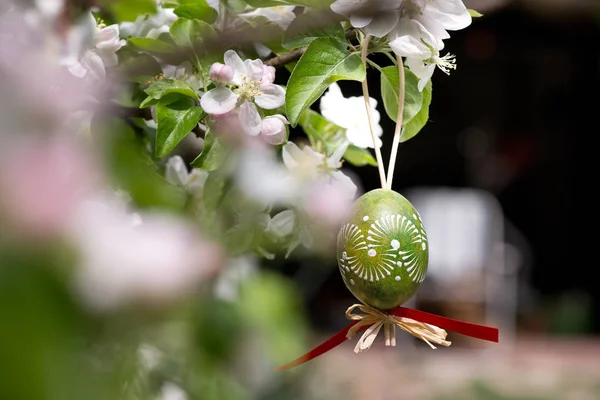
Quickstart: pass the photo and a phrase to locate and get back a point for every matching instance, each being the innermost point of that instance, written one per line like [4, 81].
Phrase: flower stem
[398, 130]
[365, 90]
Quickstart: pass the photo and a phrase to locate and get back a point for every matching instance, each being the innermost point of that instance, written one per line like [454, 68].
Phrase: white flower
[377, 17]
[176, 173]
[101, 53]
[408, 23]
[150, 26]
[221, 73]
[423, 69]
[350, 113]
[273, 129]
[315, 168]
[183, 72]
[248, 92]
[282, 16]
[264, 179]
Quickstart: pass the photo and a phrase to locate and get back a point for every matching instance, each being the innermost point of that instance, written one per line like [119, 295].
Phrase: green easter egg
[382, 250]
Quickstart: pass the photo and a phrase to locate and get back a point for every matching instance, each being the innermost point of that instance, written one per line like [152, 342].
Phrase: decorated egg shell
[382, 250]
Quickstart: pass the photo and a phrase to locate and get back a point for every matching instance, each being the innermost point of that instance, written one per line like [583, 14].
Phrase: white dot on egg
[423, 246]
[399, 263]
[344, 255]
[352, 281]
[395, 244]
[397, 278]
[372, 253]
[366, 218]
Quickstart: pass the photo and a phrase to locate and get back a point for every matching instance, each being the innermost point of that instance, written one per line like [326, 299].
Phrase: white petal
[382, 23]
[109, 58]
[283, 223]
[360, 20]
[255, 69]
[452, 14]
[421, 70]
[108, 38]
[218, 101]
[410, 46]
[273, 129]
[333, 106]
[271, 97]
[291, 153]
[345, 7]
[432, 32]
[232, 59]
[344, 183]
[333, 161]
[250, 118]
[360, 136]
[94, 64]
[176, 171]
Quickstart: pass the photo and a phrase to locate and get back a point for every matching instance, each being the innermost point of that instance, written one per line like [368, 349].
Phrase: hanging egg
[382, 250]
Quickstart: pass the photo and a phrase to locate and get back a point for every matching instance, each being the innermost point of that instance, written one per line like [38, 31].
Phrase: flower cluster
[415, 28]
[243, 88]
[94, 56]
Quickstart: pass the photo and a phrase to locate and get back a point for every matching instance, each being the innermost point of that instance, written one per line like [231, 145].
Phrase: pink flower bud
[221, 73]
[273, 129]
[268, 74]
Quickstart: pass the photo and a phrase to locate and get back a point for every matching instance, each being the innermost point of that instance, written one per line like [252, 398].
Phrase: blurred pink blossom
[42, 182]
[128, 258]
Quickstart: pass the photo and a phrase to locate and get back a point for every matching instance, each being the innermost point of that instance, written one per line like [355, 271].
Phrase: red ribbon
[466, 328]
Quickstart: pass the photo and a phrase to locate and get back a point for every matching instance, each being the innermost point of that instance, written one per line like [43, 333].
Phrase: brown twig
[280, 61]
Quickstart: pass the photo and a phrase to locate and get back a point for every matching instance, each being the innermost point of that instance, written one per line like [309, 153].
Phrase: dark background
[510, 120]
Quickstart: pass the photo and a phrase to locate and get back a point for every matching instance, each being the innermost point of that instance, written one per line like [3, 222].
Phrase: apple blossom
[282, 16]
[127, 257]
[313, 167]
[100, 54]
[176, 173]
[350, 113]
[407, 22]
[221, 73]
[415, 29]
[150, 26]
[246, 93]
[183, 72]
[273, 129]
[424, 69]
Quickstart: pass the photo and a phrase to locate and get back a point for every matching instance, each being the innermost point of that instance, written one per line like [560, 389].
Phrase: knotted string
[375, 319]
[423, 325]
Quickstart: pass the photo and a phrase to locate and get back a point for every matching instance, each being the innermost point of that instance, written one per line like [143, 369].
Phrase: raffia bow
[375, 319]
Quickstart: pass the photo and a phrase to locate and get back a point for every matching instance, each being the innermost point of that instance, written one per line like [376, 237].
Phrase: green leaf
[129, 10]
[137, 67]
[196, 9]
[312, 25]
[413, 99]
[212, 153]
[189, 32]
[215, 188]
[164, 87]
[152, 46]
[319, 129]
[175, 121]
[418, 121]
[324, 62]
[359, 157]
[474, 14]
